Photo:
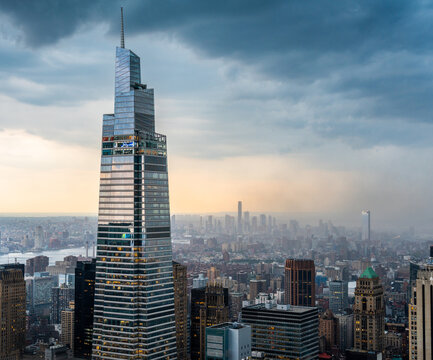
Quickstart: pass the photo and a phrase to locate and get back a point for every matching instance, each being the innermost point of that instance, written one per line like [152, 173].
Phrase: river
[54, 255]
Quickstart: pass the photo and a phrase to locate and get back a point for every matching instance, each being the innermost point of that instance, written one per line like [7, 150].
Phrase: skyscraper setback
[134, 302]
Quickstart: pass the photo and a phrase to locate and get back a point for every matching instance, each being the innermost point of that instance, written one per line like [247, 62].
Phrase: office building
[300, 282]
[345, 325]
[84, 304]
[209, 306]
[240, 224]
[212, 274]
[199, 282]
[36, 264]
[328, 331]
[12, 311]
[256, 287]
[39, 238]
[283, 331]
[61, 296]
[246, 222]
[365, 214]
[39, 297]
[228, 341]
[58, 352]
[67, 326]
[369, 313]
[134, 297]
[421, 315]
[338, 296]
[180, 282]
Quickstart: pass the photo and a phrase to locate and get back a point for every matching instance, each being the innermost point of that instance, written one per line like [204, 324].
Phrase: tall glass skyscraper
[134, 301]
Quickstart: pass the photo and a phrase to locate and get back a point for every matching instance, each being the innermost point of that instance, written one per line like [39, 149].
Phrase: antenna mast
[122, 30]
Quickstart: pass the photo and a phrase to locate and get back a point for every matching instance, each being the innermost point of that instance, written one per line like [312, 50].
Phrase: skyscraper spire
[122, 30]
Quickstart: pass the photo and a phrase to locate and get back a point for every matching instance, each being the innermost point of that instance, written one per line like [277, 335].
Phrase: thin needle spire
[122, 30]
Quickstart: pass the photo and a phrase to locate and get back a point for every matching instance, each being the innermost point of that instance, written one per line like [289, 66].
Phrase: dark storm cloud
[373, 55]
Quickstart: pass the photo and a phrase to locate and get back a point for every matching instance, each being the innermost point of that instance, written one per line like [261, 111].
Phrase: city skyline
[331, 141]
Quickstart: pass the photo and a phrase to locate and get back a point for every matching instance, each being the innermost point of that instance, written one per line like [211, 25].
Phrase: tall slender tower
[365, 225]
[134, 302]
[240, 227]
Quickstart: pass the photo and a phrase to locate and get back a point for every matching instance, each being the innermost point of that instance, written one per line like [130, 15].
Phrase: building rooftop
[369, 273]
[278, 307]
[228, 325]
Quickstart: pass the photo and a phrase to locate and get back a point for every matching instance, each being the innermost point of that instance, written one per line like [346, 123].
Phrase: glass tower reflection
[134, 301]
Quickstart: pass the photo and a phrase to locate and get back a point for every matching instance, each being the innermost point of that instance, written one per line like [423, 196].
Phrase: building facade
[421, 315]
[283, 331]
[134, 299]
[300, 282]
[61, 296]
[12, 311]
[338, 296]
[209, 306]
[180, 280]
[345, 325]
[329, 332]
[67, 326]
[84, 303]
[228, 341]
[369, 313]
[36, 264]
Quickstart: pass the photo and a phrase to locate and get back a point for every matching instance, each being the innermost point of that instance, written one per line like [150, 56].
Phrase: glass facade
[134, 300]
[283, 331]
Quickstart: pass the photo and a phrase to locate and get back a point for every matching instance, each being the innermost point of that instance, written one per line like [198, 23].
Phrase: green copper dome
[369, 273]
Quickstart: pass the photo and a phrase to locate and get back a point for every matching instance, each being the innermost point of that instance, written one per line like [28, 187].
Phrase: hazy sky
[290, 106]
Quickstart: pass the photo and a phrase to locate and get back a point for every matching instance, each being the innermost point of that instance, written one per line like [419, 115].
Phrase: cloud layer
[331, 83]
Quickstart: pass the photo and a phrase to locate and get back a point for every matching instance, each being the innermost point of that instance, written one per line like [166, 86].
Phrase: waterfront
[54, 255]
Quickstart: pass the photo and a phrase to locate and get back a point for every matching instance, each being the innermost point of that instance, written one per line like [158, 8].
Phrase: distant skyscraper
[39, 238]
[61, 297]
[84, 306]
[134, 300]
[181, 309]
[12, 311]
[262, 222]
[300, 282]
[246, 221]
[369, 313]
[338, 296]
[256, 287]
[283, 331]
[36, 264]
[254, 224]
[240, 227]
[365, 225]
[209, 306]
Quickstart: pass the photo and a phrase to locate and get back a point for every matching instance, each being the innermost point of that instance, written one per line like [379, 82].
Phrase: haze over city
[317, 110]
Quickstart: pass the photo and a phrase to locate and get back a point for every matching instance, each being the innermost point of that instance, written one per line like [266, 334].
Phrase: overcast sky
[318, 107]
